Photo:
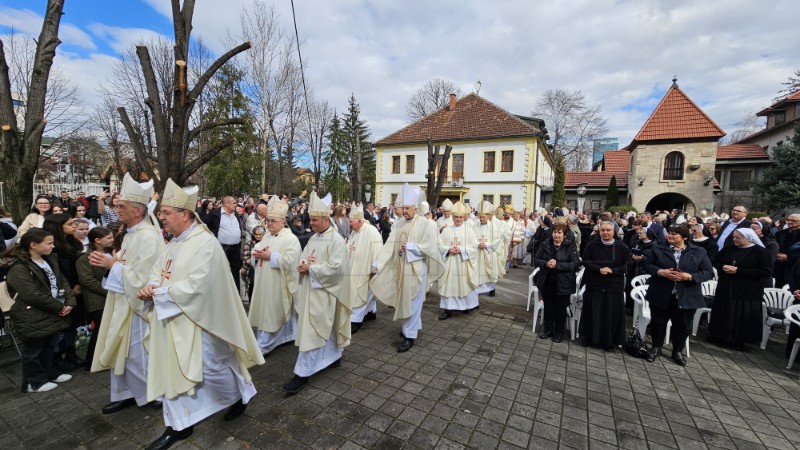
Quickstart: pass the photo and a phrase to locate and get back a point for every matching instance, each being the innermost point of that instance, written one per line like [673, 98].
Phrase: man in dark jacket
[738, 220]
[786, 238]
[677, 268]
[229, 227]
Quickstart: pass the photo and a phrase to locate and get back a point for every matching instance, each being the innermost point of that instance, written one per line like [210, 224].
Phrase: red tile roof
[677, 117]
[594, 179]
[473, 118]
[617, 161]
[741, 151]
[781, 104]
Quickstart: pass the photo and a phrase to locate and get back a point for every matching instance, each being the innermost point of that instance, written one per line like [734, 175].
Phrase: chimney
[452, 102]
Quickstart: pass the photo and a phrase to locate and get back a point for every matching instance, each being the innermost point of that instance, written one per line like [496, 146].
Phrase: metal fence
[72, 189]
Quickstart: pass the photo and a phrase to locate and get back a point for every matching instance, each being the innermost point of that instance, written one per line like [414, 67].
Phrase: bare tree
[437, 172]
[572, 125]
[105, 121]
[745, 127]
[435, 95]
[171, 119]
[20, 146]
[790, 86]
[321, 115]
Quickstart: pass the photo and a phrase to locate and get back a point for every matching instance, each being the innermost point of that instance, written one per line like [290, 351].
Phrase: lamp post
[581, 197]
[367, 193]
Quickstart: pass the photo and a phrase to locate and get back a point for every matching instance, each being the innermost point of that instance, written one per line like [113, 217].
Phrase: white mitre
[356, 212]
[178, 197]
[398, 201]
[277, 208]
[447, 205]
[486, 208]
[411, 195]
[320, 207]
[423, 208]
[136, 192]
[459, 209]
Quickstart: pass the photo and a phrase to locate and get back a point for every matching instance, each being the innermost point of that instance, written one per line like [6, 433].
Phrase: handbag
[635, 346]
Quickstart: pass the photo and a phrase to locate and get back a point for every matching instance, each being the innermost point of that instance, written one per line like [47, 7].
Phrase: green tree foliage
[350, 161]
[559, 193]
[335, 161]
[612, 194]
[236, 169]
[780, 185]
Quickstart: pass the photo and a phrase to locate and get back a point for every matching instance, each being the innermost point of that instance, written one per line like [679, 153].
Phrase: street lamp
[581, 197]
[367, 193]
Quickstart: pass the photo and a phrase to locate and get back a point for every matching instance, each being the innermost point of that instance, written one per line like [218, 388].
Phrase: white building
[497, 156]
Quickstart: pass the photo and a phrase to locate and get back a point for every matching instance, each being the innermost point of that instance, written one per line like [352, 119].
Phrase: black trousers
[555, 307]
[681, 324]
[234, 255]
[96, 317]
[37, 362]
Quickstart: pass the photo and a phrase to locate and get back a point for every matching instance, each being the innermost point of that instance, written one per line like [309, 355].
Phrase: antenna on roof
[478, 87]
[674, 81]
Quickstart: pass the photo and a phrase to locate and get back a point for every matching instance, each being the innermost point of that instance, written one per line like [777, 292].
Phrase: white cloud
[123, 39]
[28, 22]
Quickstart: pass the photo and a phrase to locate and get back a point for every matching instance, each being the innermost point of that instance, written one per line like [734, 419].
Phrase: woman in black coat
[762, 230]
[603, 318]
[558, 261]
[701, 237]
[742, 267]
[384, 226]
[677, 270]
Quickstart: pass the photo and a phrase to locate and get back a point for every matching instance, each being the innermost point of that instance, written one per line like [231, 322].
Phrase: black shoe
[156, 404]
[169, 438]
[445, 315]
[236, 410]
[354, 327]
[545, 334]
[678, 358]
[296, 384]
[491, 293]
[370, 316]
[405, 345]
[558, 337]
[118, 406]
[654, 352]
[739, 347]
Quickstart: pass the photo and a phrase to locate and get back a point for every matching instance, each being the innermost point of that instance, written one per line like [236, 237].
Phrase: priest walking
[407, 265]
[321, 300]
[459, 249]
[201, 344]
[276, 277]
[125, 319]
[490, 249]
[363, 247]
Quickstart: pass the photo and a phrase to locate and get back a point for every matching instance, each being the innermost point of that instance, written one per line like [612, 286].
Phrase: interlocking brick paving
[480, 380]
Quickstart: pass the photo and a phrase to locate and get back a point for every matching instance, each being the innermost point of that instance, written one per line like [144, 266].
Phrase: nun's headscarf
[765, 227]
[750, 235]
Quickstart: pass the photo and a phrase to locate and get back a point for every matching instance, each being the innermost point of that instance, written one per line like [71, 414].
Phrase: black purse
[635, 345]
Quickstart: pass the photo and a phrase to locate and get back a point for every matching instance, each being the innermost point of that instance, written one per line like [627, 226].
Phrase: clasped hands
[305, 264]
[551, 264]
[265, 254]
[455, 250]
[729, 269]
[65, 310]
[674, 275]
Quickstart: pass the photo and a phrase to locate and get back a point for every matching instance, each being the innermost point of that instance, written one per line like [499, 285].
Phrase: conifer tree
[780, 184]
[612, 194]
[559, 193]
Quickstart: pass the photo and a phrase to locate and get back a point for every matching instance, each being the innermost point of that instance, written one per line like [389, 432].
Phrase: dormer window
[780, 117]
[673, 166]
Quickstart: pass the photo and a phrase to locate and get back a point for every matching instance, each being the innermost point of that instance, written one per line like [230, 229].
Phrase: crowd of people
[166, 307]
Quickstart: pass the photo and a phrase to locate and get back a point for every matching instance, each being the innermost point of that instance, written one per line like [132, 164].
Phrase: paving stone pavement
[479, 381]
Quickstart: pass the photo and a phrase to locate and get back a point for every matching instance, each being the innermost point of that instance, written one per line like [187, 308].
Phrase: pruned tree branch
[194, 165]
[209, 73]
[137, 144]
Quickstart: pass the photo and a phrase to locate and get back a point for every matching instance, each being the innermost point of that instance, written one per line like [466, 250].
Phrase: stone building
[674, 162]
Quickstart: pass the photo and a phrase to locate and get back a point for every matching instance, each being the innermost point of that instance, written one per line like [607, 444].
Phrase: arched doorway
[669, 201]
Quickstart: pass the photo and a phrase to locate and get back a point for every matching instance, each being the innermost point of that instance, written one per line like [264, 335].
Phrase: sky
[730, 56]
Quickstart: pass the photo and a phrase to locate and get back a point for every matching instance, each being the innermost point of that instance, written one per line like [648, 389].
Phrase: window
[488, 198]
[595, 205]
[488, 161]
[718, 176]
[507, 161]
[780, 117]
[409, 163]
[505, 200]
[458, 166]
[740, 180]
[395, 164]
[393, 200]
[673, 166]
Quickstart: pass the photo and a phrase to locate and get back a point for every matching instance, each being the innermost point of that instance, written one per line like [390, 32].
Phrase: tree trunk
[436, 178]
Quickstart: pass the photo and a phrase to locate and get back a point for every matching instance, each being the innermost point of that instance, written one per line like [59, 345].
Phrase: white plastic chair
[709, 290]
[532, 289]
[576, 303]
[637, 281]
[774, 298]
[785, 287]
[716, 274]
[792, 314]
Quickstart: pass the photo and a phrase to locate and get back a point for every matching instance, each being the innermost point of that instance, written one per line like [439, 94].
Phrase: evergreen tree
[559, 193]
[336, 175]
[612, 194]
[237, 168]
[357, 141]
[780, 184]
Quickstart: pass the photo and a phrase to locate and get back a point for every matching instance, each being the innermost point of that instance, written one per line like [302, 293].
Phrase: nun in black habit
[603, 319]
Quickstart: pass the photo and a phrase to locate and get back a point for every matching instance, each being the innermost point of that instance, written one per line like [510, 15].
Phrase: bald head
[261, 210]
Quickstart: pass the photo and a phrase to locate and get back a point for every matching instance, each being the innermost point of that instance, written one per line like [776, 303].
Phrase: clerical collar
[185, 234]
[133, 228]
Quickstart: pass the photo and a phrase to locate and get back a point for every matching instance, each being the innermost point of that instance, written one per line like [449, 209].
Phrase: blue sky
[730, 56]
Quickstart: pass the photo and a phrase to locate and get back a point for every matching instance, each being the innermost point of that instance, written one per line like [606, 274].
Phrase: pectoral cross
[121, 257]
[165, 272]
[352, 248]
[261, 261]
